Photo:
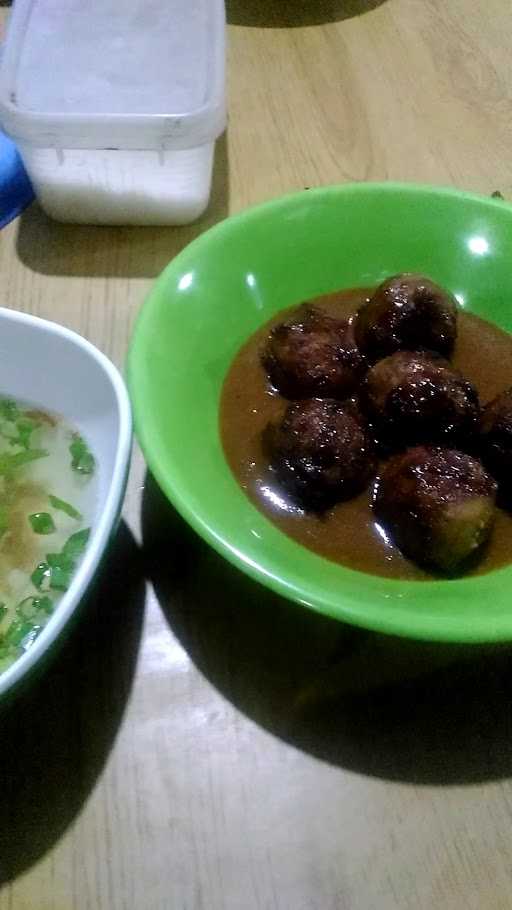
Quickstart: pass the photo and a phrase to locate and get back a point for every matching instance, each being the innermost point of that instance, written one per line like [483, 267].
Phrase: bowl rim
[180, 500]
[110, 509]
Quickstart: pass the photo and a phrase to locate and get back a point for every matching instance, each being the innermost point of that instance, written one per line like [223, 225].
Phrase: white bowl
[56, 369]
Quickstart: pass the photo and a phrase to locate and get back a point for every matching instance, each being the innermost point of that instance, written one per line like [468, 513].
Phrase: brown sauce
[348, 534]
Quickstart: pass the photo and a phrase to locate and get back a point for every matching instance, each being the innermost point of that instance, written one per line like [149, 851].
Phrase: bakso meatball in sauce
[345, 423]
[313, 355]
[437, 505]
[418, 398]
[407, 312]
[496, 442]
[320, 452]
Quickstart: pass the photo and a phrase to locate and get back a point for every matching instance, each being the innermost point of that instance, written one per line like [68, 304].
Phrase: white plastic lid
[138, 74]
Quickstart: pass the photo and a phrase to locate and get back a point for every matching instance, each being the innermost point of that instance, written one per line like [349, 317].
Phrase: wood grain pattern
[199, 744]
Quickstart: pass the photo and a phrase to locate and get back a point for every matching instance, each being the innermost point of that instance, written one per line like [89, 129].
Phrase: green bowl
[235, 277]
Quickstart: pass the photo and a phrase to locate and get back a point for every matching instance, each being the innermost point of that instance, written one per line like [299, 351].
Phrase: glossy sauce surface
[348, 533]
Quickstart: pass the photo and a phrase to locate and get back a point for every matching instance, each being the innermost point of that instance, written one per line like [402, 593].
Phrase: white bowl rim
[109, 511]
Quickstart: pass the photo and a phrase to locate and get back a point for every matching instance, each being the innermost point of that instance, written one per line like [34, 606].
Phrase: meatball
[438, 506]
[320, 452]
[418, 398]
[407, 312]
[313, 355]
[496, 442]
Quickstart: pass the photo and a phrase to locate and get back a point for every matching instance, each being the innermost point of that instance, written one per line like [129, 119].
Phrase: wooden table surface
[199, 744]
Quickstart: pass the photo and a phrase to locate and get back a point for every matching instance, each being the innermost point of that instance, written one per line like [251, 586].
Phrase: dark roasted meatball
[320, 452]
[418, 398]
[313, 354]
[496, 443]
[407, 312]
[437, 504]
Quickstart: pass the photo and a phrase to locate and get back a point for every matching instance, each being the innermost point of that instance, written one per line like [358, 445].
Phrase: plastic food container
[115, 105]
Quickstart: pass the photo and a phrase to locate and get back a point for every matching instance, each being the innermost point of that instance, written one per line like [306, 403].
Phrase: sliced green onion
[27, 608]
[62, 506]
[76, 544]
[9, 410]
[45, 604]
[82, 459]
[42, 523]
[17, 631]
[21, 633]
[61, 571]
[57, 570]
[9, 462]
[31, 606]
[41, 576]
[25, 427]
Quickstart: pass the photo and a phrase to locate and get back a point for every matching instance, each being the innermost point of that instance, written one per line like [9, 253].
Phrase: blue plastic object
[15, 188]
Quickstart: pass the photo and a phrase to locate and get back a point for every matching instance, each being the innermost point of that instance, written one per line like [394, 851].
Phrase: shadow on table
[295, 13]
[386, 707]
[56, 736]
[52, 248]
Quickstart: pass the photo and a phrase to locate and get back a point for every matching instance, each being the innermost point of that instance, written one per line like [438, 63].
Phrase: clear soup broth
[47, 497]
